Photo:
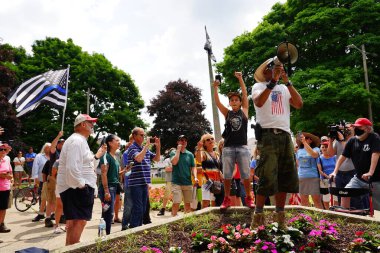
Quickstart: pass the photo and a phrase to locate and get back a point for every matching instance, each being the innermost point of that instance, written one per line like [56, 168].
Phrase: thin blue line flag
[48, 88]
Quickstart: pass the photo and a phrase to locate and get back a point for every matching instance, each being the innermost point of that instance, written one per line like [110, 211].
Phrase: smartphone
[218, 77]
[129, 166]
[299, 133]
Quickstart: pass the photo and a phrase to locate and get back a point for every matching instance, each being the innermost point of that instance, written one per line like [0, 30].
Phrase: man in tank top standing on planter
[235, 140]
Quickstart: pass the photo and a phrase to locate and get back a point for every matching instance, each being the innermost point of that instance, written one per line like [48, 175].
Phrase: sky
[154, 41]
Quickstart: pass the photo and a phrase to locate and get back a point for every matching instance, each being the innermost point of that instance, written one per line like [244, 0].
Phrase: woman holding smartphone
[110, 168]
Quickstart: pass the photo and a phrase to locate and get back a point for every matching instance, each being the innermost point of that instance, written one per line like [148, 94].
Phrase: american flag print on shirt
[277, 108]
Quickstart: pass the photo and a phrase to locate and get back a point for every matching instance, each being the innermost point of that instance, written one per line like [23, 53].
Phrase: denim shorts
[239, 155]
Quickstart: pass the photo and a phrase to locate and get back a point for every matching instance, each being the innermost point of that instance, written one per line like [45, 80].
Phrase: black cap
[182, 137]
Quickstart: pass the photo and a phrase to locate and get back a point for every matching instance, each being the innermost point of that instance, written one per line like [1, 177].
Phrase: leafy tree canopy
[330, 80]
[114, 97]
[178, 109]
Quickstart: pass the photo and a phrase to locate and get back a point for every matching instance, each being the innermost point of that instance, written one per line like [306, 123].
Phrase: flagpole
[215, 112]
[67, 92]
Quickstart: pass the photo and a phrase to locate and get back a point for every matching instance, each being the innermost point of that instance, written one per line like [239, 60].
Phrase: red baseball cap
[362, 122]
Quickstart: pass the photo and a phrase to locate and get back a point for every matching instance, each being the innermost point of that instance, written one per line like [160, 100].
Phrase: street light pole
[215, 113]
[88, 101]
[364, 56]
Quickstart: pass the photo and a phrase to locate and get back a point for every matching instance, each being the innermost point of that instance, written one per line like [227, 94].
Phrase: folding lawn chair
[352, 192]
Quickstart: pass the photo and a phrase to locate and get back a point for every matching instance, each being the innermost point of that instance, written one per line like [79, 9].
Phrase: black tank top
[238, 124]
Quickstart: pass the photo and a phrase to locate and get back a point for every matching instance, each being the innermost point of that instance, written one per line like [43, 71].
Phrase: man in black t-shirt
[364, 151]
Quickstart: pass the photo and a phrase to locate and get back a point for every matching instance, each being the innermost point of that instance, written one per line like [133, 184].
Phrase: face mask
[358, 132]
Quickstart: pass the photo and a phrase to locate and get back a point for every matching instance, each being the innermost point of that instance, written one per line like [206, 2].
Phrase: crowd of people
[282, 169]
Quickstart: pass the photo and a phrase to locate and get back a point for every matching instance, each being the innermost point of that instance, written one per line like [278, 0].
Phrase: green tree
[330, 81]
[8, 119]
[115, 99]
[178, 109]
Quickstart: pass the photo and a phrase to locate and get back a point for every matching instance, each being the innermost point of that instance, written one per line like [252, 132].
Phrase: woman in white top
[19, 163]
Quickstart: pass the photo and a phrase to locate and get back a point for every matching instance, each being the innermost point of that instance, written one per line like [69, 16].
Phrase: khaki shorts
[276, 166]
[168, 189]
[181, 190]
[50, 190]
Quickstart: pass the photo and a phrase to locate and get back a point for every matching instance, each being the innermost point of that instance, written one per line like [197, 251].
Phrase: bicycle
[26, 197]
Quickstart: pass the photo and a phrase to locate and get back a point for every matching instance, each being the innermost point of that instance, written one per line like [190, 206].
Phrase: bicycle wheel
[24, 199]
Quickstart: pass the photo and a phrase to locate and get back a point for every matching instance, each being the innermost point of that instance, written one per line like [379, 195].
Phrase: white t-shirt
[275, 113]
[19, 160]
[76, 164]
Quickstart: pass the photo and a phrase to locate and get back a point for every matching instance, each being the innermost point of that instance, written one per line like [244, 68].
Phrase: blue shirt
[30, 155]
[140, 172]
[328, 164]
[307, 165]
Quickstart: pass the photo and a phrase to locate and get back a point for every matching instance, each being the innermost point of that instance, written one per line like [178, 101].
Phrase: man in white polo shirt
[76, 180]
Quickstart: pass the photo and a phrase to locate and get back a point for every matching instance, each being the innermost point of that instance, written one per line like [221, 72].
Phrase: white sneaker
[59, 230]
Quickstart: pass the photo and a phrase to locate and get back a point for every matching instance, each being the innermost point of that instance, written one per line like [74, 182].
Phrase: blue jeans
[139, 195]
[127, 210]
[108, 215]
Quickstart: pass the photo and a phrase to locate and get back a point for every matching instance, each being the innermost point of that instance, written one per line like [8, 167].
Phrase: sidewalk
[25, 233]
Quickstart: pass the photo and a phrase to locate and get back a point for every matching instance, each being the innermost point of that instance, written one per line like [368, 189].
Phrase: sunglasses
[307, 138]
[182, 140]
[209, 139]
[3, 149]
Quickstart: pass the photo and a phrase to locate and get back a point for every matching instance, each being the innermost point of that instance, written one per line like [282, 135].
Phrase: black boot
[161, 212]
[38, 217]
[49, 223]
[4, 229]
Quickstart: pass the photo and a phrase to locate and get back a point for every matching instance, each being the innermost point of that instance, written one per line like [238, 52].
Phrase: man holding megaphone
[276, 167]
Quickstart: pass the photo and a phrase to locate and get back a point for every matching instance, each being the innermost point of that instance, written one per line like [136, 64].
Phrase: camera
[219, 78]
[152, 140]
[335, 128]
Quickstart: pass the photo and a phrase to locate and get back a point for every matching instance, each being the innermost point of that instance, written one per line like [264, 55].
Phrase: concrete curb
[117, 235]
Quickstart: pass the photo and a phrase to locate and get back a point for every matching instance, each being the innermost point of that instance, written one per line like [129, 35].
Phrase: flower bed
[156, 197]
[308, 231]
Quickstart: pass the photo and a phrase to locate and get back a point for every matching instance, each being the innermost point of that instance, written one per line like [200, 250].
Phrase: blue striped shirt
[140, 171]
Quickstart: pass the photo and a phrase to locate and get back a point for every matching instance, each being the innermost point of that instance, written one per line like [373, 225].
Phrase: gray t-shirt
[347, 165]
[168, 175]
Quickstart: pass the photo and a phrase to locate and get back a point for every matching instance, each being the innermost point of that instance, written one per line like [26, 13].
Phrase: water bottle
[105, 207]
[102, 229]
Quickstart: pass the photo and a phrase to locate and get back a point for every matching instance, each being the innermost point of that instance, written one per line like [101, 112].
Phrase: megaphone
[287, 53]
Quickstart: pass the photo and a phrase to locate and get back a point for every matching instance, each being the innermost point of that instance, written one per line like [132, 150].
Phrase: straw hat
[259, 73]
[315, 139]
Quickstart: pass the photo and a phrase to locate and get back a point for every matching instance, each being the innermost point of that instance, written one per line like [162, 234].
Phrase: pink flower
[213, 238]
[257, 241]
[359, 240]
[193, 234]
[222, 240]
[265, 247]
[237, 235]
[262, 227]
[240, 251]
[238, 227]
[210, 245]
[144, 248]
